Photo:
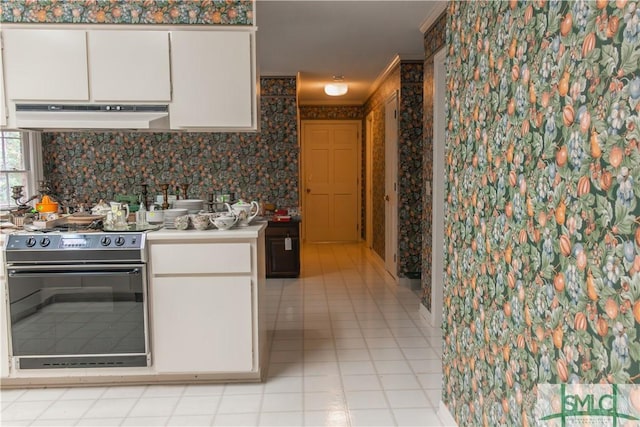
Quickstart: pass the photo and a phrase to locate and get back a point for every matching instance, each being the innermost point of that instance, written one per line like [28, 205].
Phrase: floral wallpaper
[410, 169]
[207, 12]
[331, 112]
[434, 40]
[407, 80]
[542, 242]
[256, 166]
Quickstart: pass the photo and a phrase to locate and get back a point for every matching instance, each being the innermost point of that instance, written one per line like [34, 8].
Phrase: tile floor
[348, 348]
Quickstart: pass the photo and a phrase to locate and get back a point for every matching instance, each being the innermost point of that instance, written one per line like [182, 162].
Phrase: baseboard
[425, 315]
[445, 416]
[413, 284]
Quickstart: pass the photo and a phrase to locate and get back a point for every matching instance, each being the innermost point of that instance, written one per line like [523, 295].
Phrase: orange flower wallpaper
[206, 12]
[542, 222]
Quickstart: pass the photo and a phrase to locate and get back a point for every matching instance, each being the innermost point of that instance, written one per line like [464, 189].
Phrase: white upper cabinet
[129, 65]
[206, 77]
[213, 74]
[45, 65]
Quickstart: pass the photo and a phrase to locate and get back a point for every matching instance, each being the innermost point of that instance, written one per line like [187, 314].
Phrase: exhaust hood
[94, 116]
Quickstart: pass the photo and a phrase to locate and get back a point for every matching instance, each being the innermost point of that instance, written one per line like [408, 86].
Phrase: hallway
[348, 348]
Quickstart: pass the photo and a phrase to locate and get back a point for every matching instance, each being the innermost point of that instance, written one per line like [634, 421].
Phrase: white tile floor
[348, 348]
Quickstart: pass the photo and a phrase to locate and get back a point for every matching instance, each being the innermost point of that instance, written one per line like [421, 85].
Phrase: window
[21, 164]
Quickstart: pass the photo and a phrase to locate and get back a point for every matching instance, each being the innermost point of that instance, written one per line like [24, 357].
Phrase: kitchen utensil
[192, 205]
[181, 222]
[245, 212]
[47, 205]
[224, 222]
[82, 218]
[120, 212]
[155, 217]
[200, 221]
[170, 215]
[101, 208]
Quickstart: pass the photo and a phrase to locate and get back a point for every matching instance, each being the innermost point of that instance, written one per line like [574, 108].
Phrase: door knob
[308, 190]
[386, 197]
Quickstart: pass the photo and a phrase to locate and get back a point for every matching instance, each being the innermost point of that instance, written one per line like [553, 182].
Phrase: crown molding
[440, 7]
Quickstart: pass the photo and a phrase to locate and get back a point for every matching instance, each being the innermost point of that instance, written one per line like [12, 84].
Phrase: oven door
[65, 316]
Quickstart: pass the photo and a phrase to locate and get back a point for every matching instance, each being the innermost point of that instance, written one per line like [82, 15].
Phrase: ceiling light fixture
[337, 88]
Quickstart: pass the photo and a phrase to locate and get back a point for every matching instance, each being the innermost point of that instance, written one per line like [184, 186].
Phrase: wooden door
[391, 185]
[331, 167]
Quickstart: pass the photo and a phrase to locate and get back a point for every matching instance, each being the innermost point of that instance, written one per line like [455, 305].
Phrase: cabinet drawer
[200, 258]
[282, 230]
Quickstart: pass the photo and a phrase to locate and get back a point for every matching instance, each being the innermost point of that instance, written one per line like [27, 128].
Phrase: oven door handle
[40, 273]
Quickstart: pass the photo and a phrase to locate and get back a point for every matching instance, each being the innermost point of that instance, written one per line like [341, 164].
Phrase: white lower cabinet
[202, 324]
[204, 303]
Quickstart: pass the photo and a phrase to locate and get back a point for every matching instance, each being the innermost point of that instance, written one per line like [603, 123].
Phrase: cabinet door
[46, 65]
[212, 79]
[283, 258]
[129, 65]
[202, 324]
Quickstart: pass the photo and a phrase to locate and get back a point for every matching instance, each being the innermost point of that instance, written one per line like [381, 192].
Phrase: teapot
[224, 221]
[101, 208]
[243, 211]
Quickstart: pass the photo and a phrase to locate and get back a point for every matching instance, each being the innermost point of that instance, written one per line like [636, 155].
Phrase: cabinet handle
[308, 190]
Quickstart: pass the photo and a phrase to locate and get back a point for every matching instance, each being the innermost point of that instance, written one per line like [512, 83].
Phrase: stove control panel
[72, 241]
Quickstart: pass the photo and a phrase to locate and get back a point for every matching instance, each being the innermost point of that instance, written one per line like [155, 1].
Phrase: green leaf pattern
[542, 234]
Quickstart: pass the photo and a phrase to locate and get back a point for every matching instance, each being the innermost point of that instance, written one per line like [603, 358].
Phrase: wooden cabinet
[282, 240]
[204, 299]
[129, 66]
[45, 65]
[213, 75]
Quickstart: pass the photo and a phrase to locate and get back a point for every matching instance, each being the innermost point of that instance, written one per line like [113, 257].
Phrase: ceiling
[357, 39]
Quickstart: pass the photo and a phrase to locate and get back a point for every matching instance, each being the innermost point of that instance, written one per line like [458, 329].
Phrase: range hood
[94, 116]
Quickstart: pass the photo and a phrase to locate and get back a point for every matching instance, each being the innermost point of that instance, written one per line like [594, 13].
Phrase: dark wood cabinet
[282, 241]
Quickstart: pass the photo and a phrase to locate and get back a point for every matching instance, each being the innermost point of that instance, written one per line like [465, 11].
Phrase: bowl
[200, 221]
[155, 217]
[181, 222]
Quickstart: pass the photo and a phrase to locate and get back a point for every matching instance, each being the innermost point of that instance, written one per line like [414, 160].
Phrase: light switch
[427, 188]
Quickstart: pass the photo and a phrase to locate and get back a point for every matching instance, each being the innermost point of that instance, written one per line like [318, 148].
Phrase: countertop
[252, 231]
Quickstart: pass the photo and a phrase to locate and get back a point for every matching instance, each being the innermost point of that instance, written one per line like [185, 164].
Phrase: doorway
[391, 184]
[369, 180]
[437, 226]
[330, 179]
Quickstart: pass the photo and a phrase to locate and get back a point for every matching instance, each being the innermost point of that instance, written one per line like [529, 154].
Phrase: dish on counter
[135, 227]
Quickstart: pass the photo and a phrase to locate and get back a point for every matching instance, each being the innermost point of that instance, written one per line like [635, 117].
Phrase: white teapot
[245, 212]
